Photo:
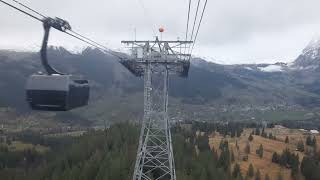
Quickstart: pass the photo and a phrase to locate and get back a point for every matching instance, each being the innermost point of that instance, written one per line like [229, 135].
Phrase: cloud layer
[233, 31]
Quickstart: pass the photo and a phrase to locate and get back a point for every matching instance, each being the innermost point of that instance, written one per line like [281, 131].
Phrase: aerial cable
[25, 6]
[14, 7]
[81, 38]
[187, 31]
[93, 43]
[188, 19]
[85, 41]
[108, 50]
[195, 19]
[195, 39]
[88, 39]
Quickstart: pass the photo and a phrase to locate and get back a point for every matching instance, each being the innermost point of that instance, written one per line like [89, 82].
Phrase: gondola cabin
[56, 92]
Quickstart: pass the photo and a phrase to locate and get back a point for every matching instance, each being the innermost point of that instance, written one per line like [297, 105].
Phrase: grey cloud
[233, 30]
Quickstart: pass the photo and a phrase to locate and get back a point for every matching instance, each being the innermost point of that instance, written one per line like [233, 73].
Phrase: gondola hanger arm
[48, 23]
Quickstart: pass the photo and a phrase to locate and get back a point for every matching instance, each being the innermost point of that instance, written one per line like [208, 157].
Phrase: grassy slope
[270, 146]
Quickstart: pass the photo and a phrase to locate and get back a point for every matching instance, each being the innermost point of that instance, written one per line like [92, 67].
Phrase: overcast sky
[233, 31]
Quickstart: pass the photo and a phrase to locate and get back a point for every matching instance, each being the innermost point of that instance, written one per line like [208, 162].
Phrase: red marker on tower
[161, 30]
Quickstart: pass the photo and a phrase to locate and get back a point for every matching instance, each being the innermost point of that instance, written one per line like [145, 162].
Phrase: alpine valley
[213, 92]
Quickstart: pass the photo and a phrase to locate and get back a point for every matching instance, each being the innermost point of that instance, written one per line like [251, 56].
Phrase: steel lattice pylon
[156, 60]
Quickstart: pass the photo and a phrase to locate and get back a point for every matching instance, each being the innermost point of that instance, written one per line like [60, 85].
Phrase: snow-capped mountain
[313, 49]
[310, 57]
[308, 60]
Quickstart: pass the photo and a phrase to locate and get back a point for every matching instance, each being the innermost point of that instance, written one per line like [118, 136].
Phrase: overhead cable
[14, 7]
[73, 33]
[195, 39]
[195, 20]
[27, 7]
[187, 31]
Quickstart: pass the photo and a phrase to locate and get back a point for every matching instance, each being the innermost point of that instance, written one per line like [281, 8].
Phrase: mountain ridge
[210, 86]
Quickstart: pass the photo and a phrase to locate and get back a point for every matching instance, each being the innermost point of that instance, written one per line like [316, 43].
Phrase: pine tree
[247, 148]
[236, 171]
[239, 131]
[252, 132]
[294, 165]
[221, 145]
[250, 138]
[300, 146]
[275, 158]
[259, 151]
[258, 175]
[314, 142]
[224, 159]
[237, 145]
[287, 140]
[309, 141]
[245, 158]
[250, 171]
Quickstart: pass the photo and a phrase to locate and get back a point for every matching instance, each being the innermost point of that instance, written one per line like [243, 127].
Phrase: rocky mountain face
[306, 68]
[117, 94]
[310, 57]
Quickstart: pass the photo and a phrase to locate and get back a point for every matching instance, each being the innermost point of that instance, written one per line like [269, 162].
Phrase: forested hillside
[104, 155]
[202, 151]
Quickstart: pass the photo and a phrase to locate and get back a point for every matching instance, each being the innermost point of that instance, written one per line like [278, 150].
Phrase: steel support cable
[194, 24]
[88, 41]
[14, 7]
[203, 11]
[78, 34]
[187, 29]
[195, 20]
[72, 35]
[25, 6]
[101, 47]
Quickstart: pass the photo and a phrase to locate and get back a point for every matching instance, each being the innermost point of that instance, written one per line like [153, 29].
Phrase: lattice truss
[156, 60]
[155, 157]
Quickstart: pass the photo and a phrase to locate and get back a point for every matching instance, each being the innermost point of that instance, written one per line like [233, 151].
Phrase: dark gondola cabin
[56, 92]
